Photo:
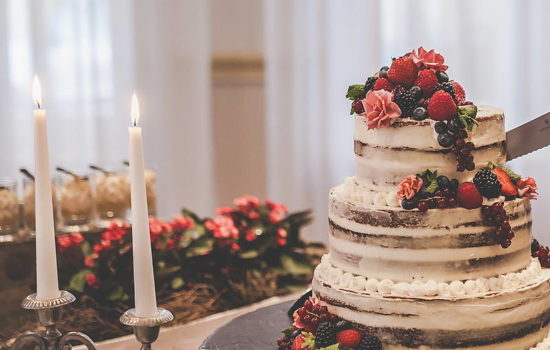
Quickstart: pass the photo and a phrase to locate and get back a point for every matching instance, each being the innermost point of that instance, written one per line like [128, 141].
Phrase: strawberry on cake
[430, 241]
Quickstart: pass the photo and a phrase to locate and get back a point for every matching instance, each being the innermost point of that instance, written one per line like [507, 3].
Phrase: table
[191, 335]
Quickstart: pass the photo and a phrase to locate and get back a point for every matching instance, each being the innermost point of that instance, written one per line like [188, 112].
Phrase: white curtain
[498, 50]
[90, 56]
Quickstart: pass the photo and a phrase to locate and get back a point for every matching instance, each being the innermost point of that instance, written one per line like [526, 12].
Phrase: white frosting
[327, 273]
[353, 192]
[380, 167]
[404, 262]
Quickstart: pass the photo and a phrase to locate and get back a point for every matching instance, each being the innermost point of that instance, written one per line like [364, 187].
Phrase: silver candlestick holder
[48, 313]
[146, 329]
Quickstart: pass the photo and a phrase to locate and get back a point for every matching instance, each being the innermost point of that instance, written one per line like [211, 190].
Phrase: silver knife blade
[528, 137]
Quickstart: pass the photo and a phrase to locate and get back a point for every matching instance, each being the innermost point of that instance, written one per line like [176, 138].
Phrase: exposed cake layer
[385, 156]
[383, 242]
[512, 319]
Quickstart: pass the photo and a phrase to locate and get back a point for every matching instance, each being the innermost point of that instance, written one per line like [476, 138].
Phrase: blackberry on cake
[370, 342]
[406, 102]
[369, 84]
[487, 183]
[325, 335]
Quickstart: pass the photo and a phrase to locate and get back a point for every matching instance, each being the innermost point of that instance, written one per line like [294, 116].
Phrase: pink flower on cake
[428, 59]
[409, 187]
[380, 110]
[527, 187]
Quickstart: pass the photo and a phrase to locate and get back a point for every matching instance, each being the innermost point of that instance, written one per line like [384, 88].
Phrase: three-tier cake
[430, 241]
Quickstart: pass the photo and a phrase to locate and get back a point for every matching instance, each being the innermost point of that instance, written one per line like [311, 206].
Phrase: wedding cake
[430, 242]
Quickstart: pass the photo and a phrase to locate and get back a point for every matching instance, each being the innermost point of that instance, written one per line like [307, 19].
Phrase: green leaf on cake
[332, 347]
[513, 175]
[288, 331]
[355, 91]
[431, 180]
[467, 116]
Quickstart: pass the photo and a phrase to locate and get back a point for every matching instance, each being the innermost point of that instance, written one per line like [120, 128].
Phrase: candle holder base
[146, 329]
[48, 313]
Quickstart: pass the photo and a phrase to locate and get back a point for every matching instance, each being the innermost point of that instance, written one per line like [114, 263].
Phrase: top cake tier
[384, 156]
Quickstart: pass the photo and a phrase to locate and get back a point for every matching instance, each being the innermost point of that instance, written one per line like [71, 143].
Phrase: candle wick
[127, 163]
[37, 104]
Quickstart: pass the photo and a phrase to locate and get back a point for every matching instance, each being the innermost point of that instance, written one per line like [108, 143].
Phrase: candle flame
[36, 91]
[135, 110]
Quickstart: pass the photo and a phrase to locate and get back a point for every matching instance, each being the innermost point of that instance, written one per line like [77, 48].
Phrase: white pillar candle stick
[144, 280]
[47, 286]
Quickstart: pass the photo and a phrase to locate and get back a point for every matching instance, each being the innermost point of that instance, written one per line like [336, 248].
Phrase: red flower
[98, 248]
[106, 244]
[222, 227]
[64, 242]
[281, 241]
[182, 223]
[250, 235]
[248, 205]
[224, 211]
[235, 247]
[91, 280]
[89, 261]
[247, 201]
[76, 238]
[527, 187]
[428, 59]
[277, 211]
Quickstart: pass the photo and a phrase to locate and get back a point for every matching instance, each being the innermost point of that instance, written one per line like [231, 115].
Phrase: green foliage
[431, 180]
[355, 91]
[467, 116]
[78, 281]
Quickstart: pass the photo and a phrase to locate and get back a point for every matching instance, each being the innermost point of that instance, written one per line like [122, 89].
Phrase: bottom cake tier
[508, 312]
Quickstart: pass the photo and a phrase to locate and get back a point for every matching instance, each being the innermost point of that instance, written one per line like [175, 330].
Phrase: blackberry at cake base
[430, 241]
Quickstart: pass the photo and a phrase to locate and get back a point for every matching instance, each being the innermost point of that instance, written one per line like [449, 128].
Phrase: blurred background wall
[247, 96]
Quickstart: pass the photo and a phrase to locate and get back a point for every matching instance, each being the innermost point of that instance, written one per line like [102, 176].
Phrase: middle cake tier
[387, 242]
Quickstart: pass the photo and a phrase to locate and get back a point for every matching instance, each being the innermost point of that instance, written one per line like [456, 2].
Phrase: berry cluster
[451, 134]
[315, 328]
[495, 215]
[437, 192]
[541, 252]
[419, 88]
[312, 314]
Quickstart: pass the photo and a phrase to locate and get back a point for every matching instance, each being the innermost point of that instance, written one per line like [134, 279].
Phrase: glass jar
[76, 203]
[112, 196]
[9, 209]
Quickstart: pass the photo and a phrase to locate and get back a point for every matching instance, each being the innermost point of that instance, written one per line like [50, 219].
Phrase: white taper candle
[47, 286]
[144, 280]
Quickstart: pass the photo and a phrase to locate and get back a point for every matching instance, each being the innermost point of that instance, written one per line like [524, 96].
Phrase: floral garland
[249, 236]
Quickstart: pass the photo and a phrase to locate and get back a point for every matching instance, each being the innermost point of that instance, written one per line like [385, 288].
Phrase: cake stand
[256, 330]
